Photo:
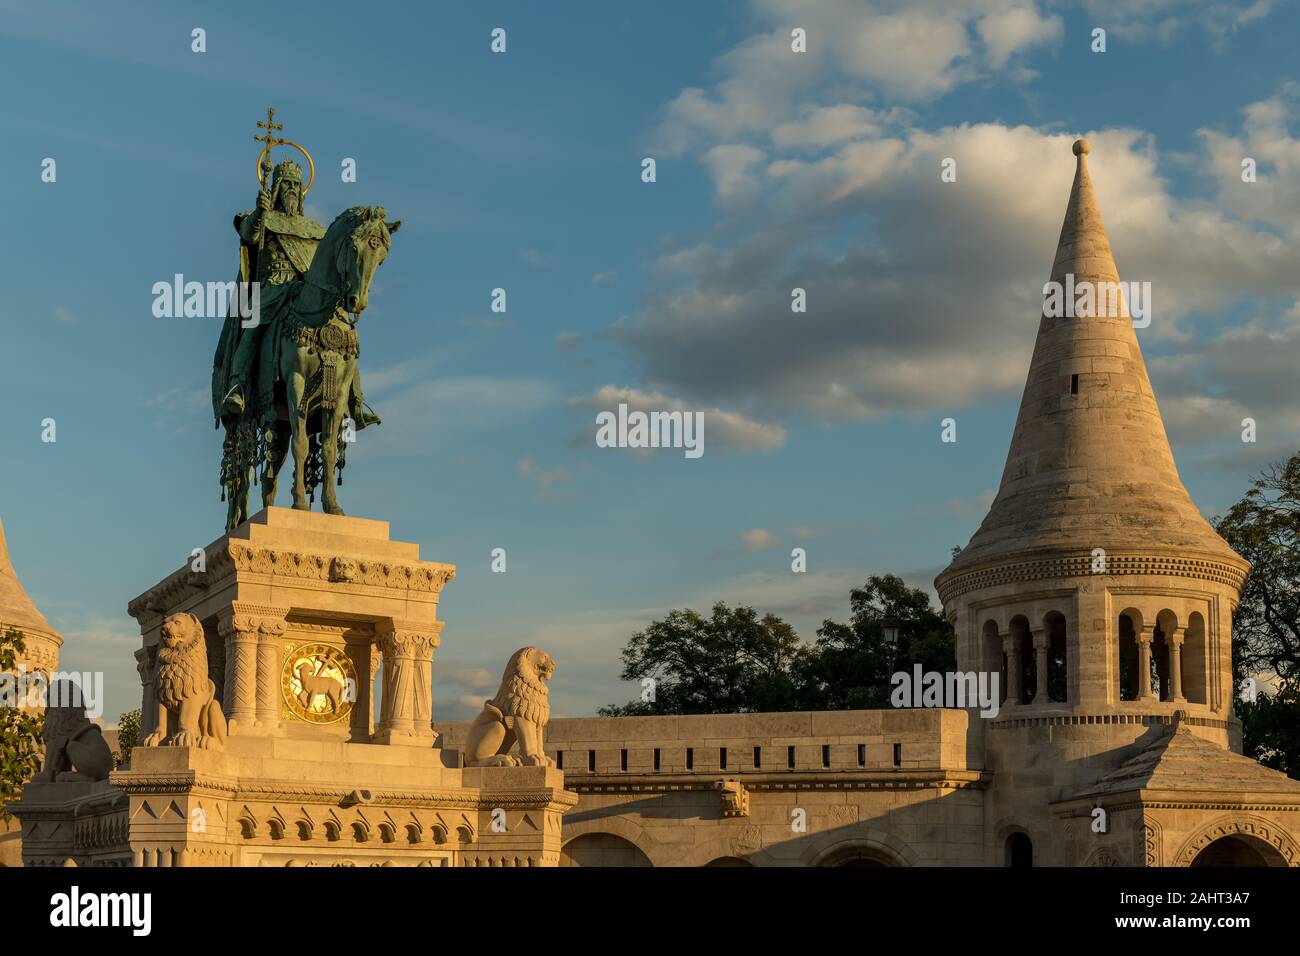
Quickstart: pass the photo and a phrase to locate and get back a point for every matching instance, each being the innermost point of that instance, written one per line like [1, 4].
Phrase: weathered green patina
[286, 378]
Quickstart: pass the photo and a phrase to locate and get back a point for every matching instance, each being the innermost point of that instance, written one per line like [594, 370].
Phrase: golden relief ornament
[319, 682]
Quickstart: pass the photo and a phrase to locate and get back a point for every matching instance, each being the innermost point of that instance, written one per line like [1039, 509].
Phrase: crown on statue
[287, 172]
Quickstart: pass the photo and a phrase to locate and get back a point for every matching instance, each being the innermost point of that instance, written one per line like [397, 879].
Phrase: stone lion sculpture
[519, 712]
[187, 698]
[75, 749]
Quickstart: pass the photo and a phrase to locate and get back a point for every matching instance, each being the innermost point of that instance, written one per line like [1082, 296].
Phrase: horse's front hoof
[335, 510]
[301, 506]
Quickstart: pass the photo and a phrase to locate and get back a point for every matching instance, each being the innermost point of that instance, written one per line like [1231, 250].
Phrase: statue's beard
[291, 205]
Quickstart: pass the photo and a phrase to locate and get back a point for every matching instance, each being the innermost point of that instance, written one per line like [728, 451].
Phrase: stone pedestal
[297, 608]
[85, 823]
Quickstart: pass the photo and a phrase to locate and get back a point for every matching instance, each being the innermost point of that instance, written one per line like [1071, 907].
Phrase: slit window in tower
[656, 758]
[826, 755]
[789, 757]
[758, 758]
[722, 758]
[624, 760]
[898, 755]
[591, 761]
[1074, 384]
[559, 760]
[690, 758]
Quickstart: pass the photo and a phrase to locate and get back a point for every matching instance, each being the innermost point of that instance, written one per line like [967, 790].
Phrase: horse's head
[358, 255]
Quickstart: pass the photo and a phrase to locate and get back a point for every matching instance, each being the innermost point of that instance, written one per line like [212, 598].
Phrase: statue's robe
[298, 237]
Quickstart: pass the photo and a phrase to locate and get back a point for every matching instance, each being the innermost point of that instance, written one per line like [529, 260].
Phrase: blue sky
[522, 171]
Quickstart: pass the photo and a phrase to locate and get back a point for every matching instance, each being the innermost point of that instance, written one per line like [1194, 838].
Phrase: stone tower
[42, 642]
[1093, 586]
[18, 613]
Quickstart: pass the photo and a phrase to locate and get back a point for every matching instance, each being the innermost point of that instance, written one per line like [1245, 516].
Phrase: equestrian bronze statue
[285, 375]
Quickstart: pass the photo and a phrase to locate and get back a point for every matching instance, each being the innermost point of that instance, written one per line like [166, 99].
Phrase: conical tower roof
[17, 612]
[1089, 464]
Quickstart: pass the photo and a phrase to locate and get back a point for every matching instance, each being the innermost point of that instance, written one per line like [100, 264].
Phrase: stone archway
[863, 845]
[602, 849]
[1255, 838]
[619, 826]
[864, 856]
[1235, 851]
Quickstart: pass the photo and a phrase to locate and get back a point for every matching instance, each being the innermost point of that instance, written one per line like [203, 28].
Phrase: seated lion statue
[189, 714]
[75, 750]
[519, 712]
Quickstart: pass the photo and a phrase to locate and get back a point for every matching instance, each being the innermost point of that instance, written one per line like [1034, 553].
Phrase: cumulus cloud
[758, 539]
[921, 295]
[907, 50]
[924, 296]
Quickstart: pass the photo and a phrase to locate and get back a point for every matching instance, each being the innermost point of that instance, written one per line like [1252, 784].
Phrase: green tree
[731, 662]
[851, 664]
[128, 735]
[1264, 528]
[1271, 730]
[20, 732]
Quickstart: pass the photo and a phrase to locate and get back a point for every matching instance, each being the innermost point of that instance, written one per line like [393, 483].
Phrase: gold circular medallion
[319, 683]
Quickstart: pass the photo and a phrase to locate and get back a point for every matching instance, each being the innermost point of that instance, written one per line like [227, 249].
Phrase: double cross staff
[271, 140]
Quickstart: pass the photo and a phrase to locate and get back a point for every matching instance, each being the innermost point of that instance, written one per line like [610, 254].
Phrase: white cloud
[758, 539]
[924, 296]
[910, 51]
[1008, 30]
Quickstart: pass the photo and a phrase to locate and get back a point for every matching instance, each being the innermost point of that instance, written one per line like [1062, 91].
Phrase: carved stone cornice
[235, 557]
[779, 781]
[280, 791]
[953, 586]
[1061, 720]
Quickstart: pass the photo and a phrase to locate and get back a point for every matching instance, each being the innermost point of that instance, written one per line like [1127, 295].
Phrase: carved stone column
[360, 647]
[1042, 641]
[1011, 647]
[1176, 664]
[252, 690]
[406, 710]
[146, 660]
[1144, 661]
[270, 661]
[376, 656]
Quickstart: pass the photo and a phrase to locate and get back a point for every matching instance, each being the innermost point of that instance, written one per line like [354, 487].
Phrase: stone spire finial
[1083, 250]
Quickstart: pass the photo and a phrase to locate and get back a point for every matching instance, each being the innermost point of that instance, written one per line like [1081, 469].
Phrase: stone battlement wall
[821, 740]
